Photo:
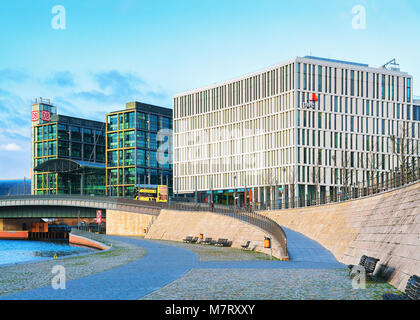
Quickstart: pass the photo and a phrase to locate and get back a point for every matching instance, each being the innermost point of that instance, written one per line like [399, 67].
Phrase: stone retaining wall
[82, 241]
[125, 223]
[176, 225]
[386, 226]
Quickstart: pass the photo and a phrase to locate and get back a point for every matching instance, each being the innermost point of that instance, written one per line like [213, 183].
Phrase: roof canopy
[71, 166]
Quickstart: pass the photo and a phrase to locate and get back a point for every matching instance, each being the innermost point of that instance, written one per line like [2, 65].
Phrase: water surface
[17, 251]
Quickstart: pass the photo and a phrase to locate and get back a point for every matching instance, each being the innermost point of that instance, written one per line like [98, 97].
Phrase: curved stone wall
[176, 225]
[86, 242]
[386, 226]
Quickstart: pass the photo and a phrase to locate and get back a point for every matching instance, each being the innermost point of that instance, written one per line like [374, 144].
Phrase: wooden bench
[367, 263]
[223, 243]
[361, 262]
[412, 291]
[194, 240]
[188, 239]
[207, 241]
[246, 245]
[370, 265]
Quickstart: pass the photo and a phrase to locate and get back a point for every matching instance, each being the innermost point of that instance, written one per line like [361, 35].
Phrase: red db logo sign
[98, 216]
[34, 116]
[46, 116]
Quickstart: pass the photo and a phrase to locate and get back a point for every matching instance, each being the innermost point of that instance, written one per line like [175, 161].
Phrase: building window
[154, 123]
[408, 89]
[416, 113]
[319, 79]
[112, 122]
[383, 87]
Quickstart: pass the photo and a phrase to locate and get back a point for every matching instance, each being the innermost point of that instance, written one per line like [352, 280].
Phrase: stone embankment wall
[176, 225]
[85, 242]
[128, 223]
[385, 226]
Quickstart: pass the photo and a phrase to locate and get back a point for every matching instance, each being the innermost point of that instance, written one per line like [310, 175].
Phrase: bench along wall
[385, 226]
[124, 223]
[176, 225]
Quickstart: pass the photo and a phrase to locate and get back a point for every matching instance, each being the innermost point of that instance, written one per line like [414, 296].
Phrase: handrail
[351, 192]
[93, 199]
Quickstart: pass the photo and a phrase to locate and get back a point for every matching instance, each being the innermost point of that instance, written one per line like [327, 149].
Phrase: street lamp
[234, 197]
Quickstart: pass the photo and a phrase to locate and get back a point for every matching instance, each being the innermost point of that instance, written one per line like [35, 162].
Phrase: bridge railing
[242, 214]
[150, 207]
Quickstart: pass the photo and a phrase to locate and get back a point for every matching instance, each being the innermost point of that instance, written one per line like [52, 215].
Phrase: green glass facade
[64, 137]
[133, 149]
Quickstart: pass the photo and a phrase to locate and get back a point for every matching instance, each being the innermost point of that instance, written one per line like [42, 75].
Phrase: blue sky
[114, 51]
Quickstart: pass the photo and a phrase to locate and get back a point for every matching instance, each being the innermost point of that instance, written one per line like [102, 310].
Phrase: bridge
[63, 206]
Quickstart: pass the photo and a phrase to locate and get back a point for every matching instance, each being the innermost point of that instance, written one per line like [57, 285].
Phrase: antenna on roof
[391, 65]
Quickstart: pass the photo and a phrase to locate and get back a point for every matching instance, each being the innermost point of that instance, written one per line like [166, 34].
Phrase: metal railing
[243, 214]
[98, 202]
[390, 181]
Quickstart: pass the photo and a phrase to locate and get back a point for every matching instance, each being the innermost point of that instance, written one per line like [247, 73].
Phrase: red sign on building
[98, 216]
[35, 116]
[46, 116]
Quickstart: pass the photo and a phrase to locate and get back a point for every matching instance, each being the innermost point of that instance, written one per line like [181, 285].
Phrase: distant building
[132, 148]
[68, 153]
[15, 187]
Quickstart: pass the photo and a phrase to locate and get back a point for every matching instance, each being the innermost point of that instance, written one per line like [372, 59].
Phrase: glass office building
[68, 153]
[138, 148]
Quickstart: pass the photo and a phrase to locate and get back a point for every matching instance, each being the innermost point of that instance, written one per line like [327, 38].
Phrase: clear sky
[114, 51]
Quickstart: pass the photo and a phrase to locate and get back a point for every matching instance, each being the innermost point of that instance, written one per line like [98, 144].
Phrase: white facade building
[262, 136]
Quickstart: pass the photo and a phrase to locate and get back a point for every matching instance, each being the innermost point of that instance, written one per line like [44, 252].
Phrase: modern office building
[68, 153]
[138, 149]
[311, 128]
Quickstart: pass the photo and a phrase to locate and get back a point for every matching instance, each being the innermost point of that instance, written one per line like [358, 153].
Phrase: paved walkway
[165, 263]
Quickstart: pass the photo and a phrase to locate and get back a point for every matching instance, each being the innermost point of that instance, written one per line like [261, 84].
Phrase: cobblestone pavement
[173, 271]
[312, 274]
[268, 284]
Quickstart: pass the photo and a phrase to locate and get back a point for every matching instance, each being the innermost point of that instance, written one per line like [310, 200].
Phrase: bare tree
[346, 172]
[316, 176]
[292, 182]
[373, 164]
[402, 149]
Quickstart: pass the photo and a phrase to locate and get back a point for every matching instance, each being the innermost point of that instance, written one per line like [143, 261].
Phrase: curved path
[165, 263]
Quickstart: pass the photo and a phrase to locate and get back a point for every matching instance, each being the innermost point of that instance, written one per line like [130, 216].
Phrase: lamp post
[335, 176]
[211, 192]
[196, 195]
[234, 191]
[245, 194]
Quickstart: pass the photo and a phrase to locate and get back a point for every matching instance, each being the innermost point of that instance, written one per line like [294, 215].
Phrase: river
[17, 251]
